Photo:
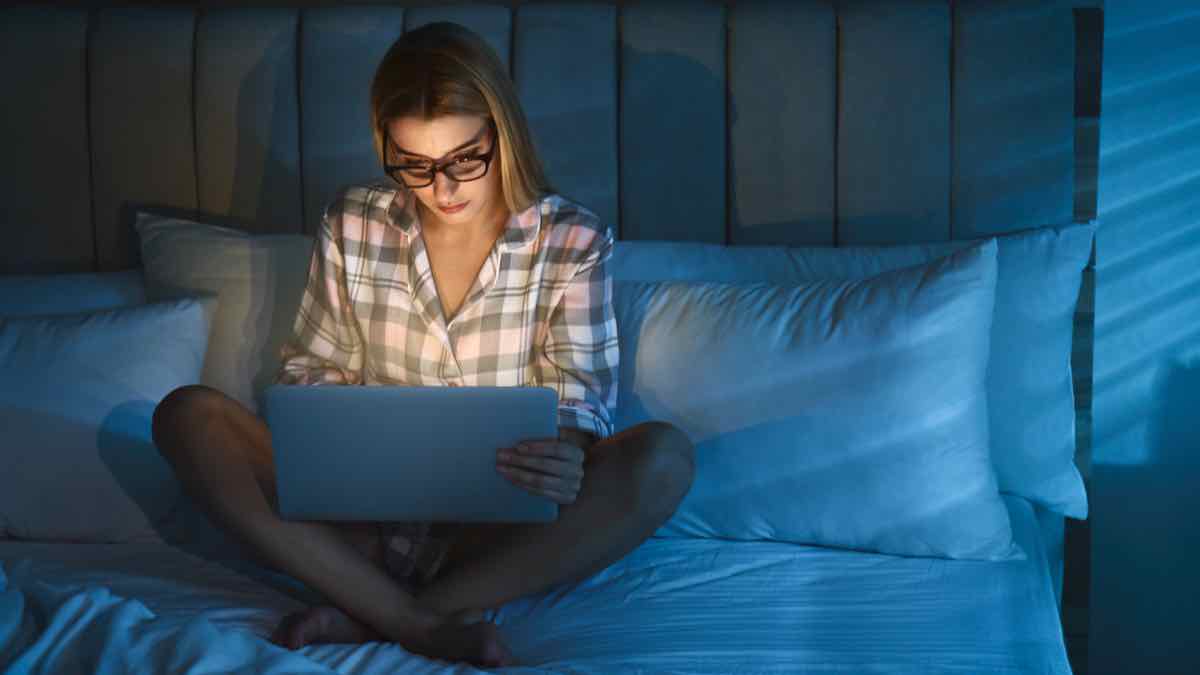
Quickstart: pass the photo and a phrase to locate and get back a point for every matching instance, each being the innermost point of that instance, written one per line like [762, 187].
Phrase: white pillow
[1031, 402]
[258, 280]
[849, 414]
[77, 395]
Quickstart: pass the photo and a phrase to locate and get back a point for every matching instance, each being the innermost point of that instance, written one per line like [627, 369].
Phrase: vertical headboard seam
[953, 124]
[837, 115]
[87, 130]
[619, 46]
[300, 117]
[197, 14]
[728, 25]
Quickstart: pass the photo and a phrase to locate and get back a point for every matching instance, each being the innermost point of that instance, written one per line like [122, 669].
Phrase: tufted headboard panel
[768, 122]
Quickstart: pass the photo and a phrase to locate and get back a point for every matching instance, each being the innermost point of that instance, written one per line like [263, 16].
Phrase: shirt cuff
[584, 420]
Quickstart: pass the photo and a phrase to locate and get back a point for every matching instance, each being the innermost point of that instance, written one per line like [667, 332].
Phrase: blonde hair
[444, 68]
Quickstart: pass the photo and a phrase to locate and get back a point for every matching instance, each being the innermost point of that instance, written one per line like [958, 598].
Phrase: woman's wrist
[579, 437]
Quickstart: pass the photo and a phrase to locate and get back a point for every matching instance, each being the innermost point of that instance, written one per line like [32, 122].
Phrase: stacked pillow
[1031, 407]
[258, 281]
[82, 366]
[843, 413]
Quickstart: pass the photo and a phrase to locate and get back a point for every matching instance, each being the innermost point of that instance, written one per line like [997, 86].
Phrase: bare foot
[463, 636]
[458, 639]
[321, 623]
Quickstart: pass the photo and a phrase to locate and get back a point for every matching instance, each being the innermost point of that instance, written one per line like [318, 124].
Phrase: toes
[477, 643]
[286, 633]
[301, 632]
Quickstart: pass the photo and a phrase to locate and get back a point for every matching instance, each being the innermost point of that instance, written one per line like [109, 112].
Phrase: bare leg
[632, 483]
[222, 455]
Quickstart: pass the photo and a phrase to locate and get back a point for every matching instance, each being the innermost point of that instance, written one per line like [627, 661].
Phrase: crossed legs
[221, 453]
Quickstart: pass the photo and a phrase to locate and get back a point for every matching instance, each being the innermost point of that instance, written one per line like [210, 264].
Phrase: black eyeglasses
[461, 168]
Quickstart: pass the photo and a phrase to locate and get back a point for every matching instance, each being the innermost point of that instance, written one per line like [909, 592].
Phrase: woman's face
[444, 138]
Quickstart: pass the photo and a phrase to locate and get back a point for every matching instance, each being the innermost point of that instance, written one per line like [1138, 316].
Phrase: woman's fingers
[535, 479]
[563, 450]
[559, 489]
[551, 457]
[551, 466]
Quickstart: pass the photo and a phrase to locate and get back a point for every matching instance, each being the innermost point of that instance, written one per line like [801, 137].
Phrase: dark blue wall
[1146, 452]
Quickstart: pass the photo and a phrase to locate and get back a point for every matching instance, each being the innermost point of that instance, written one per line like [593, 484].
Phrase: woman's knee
[663, 467]
[663, 447]
[182, 403]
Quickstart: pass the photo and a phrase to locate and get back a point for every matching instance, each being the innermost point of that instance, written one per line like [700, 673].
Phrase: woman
[462, 269]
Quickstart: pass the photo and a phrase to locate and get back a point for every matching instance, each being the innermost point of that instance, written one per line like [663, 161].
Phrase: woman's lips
[453, 209]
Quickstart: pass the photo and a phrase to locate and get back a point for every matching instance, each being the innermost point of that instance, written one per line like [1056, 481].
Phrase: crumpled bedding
[670, 606]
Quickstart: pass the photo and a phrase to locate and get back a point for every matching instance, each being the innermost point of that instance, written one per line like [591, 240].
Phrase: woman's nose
[443, 185]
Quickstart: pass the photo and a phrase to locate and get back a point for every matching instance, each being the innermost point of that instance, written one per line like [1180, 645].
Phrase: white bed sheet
[701, 606]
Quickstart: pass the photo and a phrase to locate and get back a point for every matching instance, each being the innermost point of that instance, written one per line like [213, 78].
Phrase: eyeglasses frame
[441, 165]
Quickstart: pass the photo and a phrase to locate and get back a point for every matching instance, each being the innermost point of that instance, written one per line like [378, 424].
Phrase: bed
[671, 606]
[900, 133]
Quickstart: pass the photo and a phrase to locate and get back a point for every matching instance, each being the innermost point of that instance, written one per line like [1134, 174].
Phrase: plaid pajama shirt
[538, 314]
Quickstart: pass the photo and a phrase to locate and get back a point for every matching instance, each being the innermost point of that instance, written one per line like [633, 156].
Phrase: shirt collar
[521, 229]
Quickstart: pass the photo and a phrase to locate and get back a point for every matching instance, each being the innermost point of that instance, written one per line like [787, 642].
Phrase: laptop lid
[401, 453]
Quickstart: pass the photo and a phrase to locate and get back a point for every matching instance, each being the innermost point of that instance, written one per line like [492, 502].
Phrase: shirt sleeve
[326, 345]
[580, 355]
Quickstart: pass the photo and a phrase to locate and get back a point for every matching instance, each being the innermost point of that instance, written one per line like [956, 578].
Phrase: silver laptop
[400, 453]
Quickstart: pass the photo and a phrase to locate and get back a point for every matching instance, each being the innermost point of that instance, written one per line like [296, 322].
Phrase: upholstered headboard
[757, 122]
[785, 122]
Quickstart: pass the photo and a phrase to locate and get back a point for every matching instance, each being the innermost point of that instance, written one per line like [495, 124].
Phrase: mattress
[670, 606]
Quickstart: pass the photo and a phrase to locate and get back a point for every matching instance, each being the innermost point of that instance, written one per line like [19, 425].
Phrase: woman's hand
[548, 468]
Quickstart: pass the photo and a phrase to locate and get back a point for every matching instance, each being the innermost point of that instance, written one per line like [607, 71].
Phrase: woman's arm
[579, 357]
[326, 346]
